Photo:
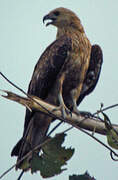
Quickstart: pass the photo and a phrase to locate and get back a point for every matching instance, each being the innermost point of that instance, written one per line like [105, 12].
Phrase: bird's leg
[73, 96]
[62, 107]
[86, 114]
[74, 109]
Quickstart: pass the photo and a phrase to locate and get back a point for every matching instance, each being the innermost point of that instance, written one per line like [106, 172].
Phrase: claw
[86, 114]
[76, 111]
[70, 113]
[64, 111]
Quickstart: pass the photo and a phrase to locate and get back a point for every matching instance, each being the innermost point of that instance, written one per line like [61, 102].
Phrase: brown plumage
[58, 76]
[93, 73]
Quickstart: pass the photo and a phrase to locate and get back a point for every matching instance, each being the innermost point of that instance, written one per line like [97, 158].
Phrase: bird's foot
[64, 110]
[76, 111]
[86, 114]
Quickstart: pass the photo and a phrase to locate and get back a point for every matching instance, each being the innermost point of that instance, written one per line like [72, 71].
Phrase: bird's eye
[56, 13]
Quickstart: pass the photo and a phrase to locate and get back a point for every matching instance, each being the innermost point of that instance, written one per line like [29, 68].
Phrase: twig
[97, 112]
[28, 154]
[8, 170]
[104, 109]
[54, 128]
[38, 146]
[10, 82]
[111, 154]
[50, 113]
[21, 174]
[96, 139]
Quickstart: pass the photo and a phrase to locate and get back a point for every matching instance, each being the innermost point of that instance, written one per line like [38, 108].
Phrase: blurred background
[23, 38]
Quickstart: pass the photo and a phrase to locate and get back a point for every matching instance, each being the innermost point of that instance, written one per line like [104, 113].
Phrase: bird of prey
[60, 76]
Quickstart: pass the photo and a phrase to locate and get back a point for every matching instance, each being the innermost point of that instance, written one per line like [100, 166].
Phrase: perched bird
[60, 76]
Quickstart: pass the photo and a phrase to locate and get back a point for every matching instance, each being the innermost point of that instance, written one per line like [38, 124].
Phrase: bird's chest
[75, 68]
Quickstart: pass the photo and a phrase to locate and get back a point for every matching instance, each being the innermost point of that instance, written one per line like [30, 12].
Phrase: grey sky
[23, 38]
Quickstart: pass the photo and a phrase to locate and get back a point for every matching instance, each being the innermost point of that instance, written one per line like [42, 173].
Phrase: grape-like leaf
[24, 165]
[52, 159]
[112, 134]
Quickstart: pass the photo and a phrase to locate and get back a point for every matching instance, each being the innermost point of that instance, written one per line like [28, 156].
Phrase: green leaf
[84, 176]
[54, 156]
[112, 134]
[24, 165]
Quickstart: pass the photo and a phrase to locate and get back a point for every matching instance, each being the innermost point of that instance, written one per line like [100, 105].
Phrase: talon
[76, 111]
[56, 109]
[64, 110]
[70, 113]
[86, 114]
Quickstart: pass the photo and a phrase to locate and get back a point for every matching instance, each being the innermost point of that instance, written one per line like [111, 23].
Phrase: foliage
[112, 134]
[84, 176]
[53, 157]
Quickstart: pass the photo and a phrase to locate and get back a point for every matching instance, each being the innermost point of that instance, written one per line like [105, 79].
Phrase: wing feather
[46, 71]
[93, 73]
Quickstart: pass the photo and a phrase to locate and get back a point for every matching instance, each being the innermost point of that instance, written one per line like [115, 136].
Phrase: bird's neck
[70, 31]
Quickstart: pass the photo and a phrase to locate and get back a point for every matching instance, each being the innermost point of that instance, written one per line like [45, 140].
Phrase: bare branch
[90, 124]
[30, 102]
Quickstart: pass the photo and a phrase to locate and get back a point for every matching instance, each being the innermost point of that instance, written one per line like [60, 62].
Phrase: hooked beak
[49, 17]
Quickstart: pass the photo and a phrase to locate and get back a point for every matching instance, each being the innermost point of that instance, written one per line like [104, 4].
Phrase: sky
[23, 38]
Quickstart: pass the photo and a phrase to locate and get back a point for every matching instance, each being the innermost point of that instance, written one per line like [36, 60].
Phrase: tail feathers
[35, 135]
[16, 149]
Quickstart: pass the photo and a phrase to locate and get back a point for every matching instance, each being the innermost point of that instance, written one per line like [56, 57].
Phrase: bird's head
[62, 18]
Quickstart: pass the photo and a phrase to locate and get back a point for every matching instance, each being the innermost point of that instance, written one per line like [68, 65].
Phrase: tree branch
[91, 124]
